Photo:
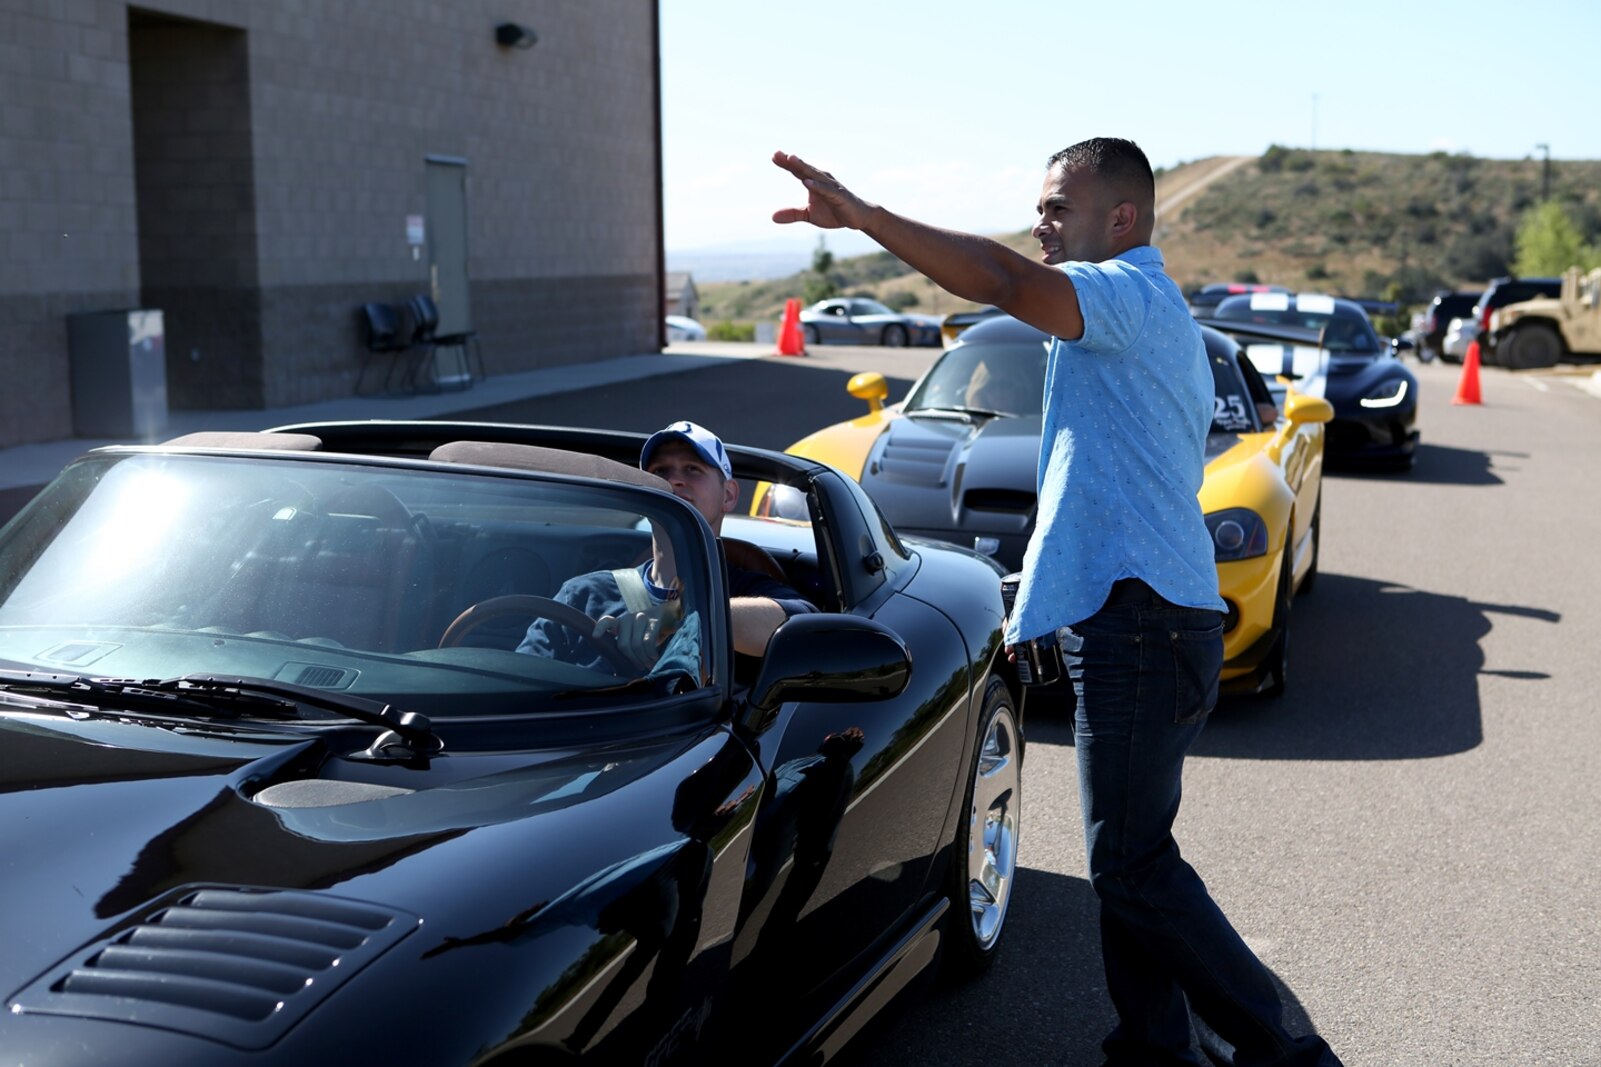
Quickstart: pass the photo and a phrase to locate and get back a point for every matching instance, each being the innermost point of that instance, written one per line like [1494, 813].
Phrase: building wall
[250, 171]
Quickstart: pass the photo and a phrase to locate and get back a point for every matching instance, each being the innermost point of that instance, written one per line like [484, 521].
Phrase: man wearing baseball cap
[631, 604]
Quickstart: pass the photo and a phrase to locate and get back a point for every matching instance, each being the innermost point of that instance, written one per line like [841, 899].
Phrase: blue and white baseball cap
[707, 444]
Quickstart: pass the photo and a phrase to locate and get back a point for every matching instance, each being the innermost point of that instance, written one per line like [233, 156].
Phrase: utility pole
[1314, 122]
[1545, 171]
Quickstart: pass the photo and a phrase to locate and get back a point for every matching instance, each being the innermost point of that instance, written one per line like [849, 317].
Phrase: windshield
[1344, 331]
[1008, 379]
[447, 593]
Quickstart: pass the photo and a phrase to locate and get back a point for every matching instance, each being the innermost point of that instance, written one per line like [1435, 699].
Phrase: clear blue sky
[946, 109]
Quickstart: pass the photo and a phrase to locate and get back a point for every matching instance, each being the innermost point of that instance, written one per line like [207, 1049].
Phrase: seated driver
[1003, 387]
[691, 459]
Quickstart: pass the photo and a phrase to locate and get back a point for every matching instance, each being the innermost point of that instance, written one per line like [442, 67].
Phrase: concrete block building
[259, 169]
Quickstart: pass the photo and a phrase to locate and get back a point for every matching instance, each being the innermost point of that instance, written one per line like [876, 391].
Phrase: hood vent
[239, 966]
[913, 460]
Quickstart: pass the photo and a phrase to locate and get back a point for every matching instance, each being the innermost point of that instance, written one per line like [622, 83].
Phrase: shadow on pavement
[1043, 1003]
[1434, 464]
[1378, 671]
[764, 403]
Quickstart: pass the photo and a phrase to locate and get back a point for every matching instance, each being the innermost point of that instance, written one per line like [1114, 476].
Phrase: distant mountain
[778, 257]
[737, 266]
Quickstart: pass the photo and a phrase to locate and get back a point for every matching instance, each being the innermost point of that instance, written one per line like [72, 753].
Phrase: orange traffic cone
[1467, 390]
[791, 341]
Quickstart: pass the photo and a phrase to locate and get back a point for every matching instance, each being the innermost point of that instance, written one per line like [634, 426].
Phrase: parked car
[1205, 300]
[1342, 358]
[957, 459]
[1445, 306]
[859, 321]
[277, 785]
[683, 328]
[1460, 333]
[1499, 293]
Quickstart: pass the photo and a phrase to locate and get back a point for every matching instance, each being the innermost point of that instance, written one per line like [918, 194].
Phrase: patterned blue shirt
[1122, 451]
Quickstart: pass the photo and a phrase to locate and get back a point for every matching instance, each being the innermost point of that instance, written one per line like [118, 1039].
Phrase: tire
[984, 851]
[1275, 669]
[1309, 582]
[810, 335]
[1533, 344]
[893, 337]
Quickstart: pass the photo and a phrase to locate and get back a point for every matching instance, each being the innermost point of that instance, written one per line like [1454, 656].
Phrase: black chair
[464, 343]
[388, 337]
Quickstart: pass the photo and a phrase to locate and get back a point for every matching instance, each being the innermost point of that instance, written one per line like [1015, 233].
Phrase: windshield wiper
[962, 414]
[210, 694]
[665, 684]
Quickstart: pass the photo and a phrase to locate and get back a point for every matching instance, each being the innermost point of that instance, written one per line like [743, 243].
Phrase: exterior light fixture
[511, 35]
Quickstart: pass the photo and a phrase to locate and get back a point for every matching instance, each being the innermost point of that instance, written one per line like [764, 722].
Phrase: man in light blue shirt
[1121, 567]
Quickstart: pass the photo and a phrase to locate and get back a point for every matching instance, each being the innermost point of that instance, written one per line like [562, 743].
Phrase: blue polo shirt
[1122, 451]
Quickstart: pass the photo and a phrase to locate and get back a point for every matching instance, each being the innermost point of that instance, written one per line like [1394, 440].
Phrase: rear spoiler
[1255, 331]
[967, 318]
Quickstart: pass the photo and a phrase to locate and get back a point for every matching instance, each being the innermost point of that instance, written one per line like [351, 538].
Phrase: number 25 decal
[1230, 414]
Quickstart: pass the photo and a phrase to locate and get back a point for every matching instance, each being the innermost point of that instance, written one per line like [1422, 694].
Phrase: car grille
[237, 965]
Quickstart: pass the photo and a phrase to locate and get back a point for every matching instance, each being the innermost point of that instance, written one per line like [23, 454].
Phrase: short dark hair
[1120, 162]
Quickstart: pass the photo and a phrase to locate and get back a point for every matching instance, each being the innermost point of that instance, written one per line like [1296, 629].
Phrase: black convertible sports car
[278, 786]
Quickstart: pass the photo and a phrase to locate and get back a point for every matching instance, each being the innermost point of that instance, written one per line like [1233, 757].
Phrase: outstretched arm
[971, 267]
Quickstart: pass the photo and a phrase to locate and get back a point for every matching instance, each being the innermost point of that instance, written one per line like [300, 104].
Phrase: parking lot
[1408, 837]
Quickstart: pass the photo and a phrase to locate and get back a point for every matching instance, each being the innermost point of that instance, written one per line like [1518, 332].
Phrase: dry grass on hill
[1357, 223]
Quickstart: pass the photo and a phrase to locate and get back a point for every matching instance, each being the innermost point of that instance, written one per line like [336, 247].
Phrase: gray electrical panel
[119, 373]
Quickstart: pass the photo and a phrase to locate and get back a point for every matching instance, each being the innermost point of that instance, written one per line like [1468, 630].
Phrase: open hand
[829, 205]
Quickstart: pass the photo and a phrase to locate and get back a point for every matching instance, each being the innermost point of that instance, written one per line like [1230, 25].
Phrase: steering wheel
[541, 607]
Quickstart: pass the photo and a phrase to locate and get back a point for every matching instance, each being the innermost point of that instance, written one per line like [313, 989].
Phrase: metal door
[447, 243]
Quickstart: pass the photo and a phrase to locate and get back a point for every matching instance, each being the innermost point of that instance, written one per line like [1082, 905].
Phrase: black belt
[1132, 591]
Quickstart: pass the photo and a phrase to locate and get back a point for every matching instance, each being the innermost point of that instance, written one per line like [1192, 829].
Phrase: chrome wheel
[994, 820]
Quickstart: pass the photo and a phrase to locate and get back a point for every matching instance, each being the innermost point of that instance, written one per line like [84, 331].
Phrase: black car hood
[932, 473]
[109, 823]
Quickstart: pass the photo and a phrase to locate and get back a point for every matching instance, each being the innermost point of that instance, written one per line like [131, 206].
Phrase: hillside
[1357, 223]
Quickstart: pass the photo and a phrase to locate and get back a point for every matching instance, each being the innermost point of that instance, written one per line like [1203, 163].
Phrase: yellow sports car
[956, 460]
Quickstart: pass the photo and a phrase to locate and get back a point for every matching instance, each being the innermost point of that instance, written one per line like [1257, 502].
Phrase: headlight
[1386, 395]
[1237, 533]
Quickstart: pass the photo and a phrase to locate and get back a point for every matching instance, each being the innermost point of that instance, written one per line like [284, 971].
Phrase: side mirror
[871, 387]
[831, 659]
[1301, 409]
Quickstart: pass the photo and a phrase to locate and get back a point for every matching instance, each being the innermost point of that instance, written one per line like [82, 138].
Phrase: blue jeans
[1145, 673]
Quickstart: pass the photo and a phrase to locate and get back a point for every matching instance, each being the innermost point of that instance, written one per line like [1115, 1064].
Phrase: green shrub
[728, 330]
